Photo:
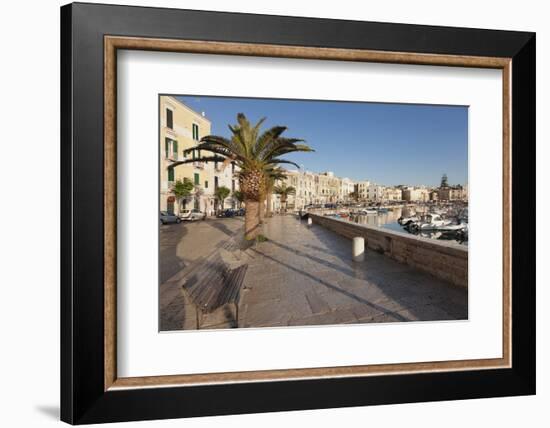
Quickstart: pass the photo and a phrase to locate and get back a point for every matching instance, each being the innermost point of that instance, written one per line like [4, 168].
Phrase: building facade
[181, 128]
[347, 187]
[306, 185]
[416, 194]
[452, 193]
[362, 189]
[375, 192]
[393, 194]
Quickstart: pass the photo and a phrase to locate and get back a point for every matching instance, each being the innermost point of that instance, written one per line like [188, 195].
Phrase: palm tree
[182, 190]
[274, 175]
[239, 197]
[198, 193]
[284, 191]
[254, 153]
[354, 195]
[221, 193]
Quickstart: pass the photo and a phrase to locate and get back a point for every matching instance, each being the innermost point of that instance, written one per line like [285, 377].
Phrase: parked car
[240, 211]
[192, 215]
[166, 218]
[227, 213]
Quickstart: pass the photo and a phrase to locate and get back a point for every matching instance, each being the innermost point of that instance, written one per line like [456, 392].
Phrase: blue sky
[386, 143]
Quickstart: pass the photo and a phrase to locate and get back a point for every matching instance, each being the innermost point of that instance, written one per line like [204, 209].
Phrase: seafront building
[362, 189]
[181, 128]
[392, 194]
[375, 192]
[416, 194]
[452, 193]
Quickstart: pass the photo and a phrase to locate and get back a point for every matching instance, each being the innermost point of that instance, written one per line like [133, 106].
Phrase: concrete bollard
[309, 221]
[358, 249]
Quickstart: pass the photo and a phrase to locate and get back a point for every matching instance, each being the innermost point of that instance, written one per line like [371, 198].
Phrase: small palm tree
[239, 197]
[284, 191]
[182, 190]
[274, 175]
[221, 193]
[254, 153]
[198, 192]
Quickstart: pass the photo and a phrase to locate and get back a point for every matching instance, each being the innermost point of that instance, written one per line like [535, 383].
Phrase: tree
[284, 191]
[198, 192]
[254, 153]
[182, 189]
[239, 197]
[221, 193]
[354, 195]
[272, 176]
[444, 182]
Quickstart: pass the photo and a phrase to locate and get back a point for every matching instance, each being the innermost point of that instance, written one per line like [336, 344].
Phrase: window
[175, 149]
[169, 119]
[170, 174]
[215, 182]
[206, 184]
[170, 148]
[195, 132]
[232, 185]
[197, 179]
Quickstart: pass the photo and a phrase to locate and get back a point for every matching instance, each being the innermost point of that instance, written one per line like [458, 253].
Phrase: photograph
[298, 212]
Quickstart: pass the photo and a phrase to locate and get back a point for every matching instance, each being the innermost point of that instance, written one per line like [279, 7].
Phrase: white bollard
[309, 221]
[358, 249]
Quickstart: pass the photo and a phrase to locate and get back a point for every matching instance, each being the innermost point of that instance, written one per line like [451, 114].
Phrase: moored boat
[429, 222]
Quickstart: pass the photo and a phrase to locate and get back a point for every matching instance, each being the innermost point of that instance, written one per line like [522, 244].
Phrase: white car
[192, 215]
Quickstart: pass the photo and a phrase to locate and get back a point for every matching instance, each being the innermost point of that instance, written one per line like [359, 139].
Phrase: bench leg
[197, 316]
[236, 314]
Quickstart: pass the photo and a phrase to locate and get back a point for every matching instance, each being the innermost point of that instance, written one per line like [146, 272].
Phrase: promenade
[304, 275]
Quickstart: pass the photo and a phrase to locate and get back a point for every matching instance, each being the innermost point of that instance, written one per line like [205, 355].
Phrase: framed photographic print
[265, 213]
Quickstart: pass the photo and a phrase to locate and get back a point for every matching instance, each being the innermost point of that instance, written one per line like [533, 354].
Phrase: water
[388, 220]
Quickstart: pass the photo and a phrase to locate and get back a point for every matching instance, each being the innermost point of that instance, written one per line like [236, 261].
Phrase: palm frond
[267, 137]
[276, 161]
[281, 146]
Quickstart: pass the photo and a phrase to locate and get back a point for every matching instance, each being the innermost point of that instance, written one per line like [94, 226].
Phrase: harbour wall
[444, 259]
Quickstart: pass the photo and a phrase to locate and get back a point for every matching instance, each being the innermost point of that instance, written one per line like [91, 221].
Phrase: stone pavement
[303, 275]
[182, 247]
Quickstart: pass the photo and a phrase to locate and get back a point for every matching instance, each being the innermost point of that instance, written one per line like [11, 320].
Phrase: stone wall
[447, 260]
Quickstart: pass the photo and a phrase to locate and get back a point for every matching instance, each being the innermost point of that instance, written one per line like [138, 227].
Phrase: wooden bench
[212, 285]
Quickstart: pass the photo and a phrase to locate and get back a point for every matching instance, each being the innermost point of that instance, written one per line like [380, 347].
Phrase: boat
[405, 221]
[367, 212]
[383, 210]
[453, 227]
[429, 222]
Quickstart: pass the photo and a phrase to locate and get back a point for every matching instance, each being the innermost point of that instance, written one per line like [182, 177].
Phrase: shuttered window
[169, 119]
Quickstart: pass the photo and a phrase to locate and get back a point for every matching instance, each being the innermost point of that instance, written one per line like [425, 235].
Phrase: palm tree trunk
[251, 219]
